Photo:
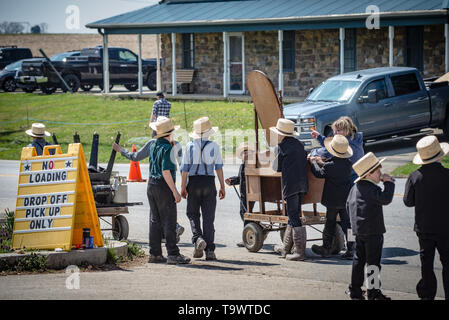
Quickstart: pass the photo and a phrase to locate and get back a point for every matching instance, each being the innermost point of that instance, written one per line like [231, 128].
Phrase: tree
[36, 29]
[11, 27]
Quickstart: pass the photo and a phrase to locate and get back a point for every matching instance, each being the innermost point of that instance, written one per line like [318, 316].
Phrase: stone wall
[317, 56]
[56, 43]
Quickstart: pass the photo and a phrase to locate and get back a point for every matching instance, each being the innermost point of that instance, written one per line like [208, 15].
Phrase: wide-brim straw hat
[37, 131]
[365, 165]
[163, 127]
[202, 128]
[243, 147]
[285, 127]
[430, 150]
[338, 146]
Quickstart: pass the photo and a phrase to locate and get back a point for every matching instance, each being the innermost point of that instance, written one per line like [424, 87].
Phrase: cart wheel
[120, 228]
[339, 240]
[253, 237]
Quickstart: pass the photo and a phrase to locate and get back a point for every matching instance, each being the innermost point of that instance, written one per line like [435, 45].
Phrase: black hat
[159, 94]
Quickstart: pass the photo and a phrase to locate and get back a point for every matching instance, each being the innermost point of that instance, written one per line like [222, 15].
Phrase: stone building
[225, 40]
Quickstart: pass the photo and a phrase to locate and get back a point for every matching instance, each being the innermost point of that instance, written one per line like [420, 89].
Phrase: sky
[62, 15]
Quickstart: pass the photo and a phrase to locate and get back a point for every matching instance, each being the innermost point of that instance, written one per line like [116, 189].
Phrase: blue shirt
[201, 163]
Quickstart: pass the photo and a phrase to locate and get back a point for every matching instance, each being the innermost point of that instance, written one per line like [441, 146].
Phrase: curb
[61, 260]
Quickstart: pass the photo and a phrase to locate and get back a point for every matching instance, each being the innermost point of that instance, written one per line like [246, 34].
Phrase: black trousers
[163, 216]
[202, 195]
[427, 286]
[331, 224]
[293, 204]
[368, 251]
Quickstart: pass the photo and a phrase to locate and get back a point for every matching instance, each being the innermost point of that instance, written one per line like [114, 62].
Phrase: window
[188, 51]
[414, 46]
[405, 84]
[127, 56]
[288, 51]
[350, 50]
[379, 85]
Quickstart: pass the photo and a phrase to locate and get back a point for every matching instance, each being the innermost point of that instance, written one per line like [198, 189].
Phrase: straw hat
[338, 146]
[163, 127]
[202, 128]
[37, 131]
[243, 147]
[430, 150]
[285, 127]
[365, 165]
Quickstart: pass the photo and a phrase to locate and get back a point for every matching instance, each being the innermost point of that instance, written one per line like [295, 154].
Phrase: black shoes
[156, 259]
[376, 294]
[210, 256]
[179, 259]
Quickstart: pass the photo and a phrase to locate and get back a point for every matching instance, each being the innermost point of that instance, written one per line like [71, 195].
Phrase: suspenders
[205, 166]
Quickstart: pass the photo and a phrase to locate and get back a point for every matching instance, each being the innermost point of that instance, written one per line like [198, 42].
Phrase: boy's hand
[117, 147]
[315, 134]
[177, 196]
[228, 181]
[184, 193]
[222, 193]
[386, 178]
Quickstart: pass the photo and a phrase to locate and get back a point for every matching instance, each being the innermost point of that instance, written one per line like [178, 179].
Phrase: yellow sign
[54, 200]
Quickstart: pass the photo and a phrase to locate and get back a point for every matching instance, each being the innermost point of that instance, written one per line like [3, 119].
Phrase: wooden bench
[184, 79]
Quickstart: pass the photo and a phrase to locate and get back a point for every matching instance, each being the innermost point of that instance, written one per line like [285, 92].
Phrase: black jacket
[291, 160]
[337, 175]
[364, 206]
[427, 189]
[39, 145]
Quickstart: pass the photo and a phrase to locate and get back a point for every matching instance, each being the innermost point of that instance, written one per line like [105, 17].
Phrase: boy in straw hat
[38, 133]
[291, 160]
[427, 189]
[337, 174]
[199, 161]
[161, 191]
[364, 206]
[244, 151]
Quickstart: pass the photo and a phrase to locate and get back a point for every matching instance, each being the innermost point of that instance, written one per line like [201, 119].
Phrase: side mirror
[311, 90]
[372, 96]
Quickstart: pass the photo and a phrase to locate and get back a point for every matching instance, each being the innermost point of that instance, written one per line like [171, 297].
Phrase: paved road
[238, 274]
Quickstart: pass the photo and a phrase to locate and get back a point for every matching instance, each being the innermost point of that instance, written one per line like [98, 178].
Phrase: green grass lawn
[65, 114]
[405, 170]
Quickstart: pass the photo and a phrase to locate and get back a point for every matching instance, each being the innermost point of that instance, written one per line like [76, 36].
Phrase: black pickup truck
[86, 70]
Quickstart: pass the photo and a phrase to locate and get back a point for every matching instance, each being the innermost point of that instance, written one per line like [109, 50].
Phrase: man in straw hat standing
[290, 160]
[364, 206]
[38, 133]
[199, 161]
[427, 189]
[337, 174]
[161, 191]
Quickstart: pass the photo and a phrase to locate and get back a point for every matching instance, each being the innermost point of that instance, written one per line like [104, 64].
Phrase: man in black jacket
[291, 160]
[364, 206]
[427, 189]
[337, 174]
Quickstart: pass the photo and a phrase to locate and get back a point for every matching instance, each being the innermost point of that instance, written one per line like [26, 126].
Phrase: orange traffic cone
[134, 170]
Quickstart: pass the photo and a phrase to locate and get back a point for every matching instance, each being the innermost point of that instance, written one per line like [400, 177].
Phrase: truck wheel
[120, 228]
[110, 87]
[9, 85]
[339, 240]
[29, 90]
[86, 87]
[72, 81]
[253, 237]
[151, 81]
[48, 90]
[131, 87]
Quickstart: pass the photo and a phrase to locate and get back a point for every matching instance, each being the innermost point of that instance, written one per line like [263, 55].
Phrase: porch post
[173, 58]
[281, 60]
[342, 50]
[105, 64]
[158, 63]
[446, 47]
[390, 38]
[225, 65]
[139, 73]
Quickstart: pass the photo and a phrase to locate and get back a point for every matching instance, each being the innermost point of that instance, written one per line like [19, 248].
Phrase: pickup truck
[86, 70]
[382, 102]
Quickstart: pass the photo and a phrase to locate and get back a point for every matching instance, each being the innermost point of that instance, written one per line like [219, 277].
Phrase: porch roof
[195, 16]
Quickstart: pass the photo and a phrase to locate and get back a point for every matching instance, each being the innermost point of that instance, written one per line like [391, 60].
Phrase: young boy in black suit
[364, 206]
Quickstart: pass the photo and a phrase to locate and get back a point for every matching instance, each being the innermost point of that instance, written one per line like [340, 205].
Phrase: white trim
[342, 50]
[43, 218]
[225, 65]
[45, 194]
[47, 171]
[43, 230]
[105, 64]
[173, 57]
[50, 159]
[236, 34]
[281, 60]
[46, 183]
[158, 63]
[390, 40]
[46, 206]
[139, 64]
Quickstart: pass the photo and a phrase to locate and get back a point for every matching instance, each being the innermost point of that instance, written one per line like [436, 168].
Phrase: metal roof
[247, 15]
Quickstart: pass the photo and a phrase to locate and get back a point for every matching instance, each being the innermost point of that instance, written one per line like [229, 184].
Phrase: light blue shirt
[201, 163]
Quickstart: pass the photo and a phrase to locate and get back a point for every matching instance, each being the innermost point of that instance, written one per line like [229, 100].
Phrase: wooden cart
[264, 185]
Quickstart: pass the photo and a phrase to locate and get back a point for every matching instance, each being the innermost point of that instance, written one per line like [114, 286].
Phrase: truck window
[127, 56]
[379, 85]
[405, 84]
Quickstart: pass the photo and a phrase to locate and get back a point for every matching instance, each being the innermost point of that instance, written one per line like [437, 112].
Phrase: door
[236, 66]
[128, 66]
[373, 118]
